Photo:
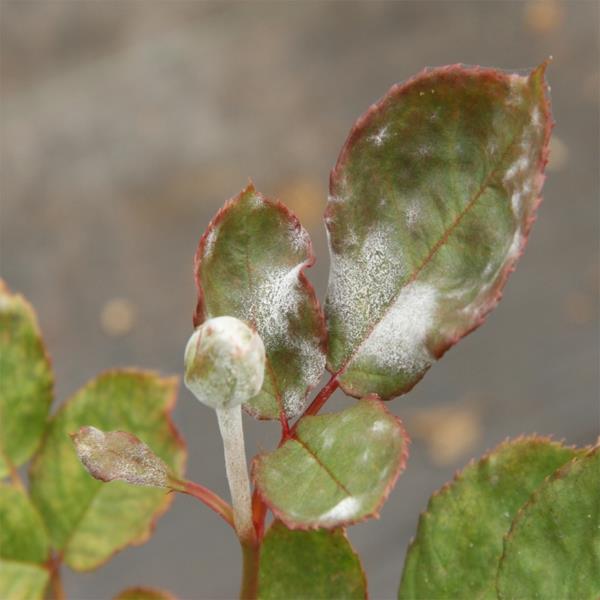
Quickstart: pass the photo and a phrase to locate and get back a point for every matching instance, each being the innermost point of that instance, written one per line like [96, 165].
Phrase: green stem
[251, 560]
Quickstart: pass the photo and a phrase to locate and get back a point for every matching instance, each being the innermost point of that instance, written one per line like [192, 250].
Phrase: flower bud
[224, 363]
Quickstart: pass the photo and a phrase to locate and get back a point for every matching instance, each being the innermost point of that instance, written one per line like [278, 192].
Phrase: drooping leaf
[430, 206]
[119, 455]
[88, 520]
[309, 565]
[144, 593]
[338, 468]
[458, 544]
[553, 548]
[22, 581]
[250, 265]
[26, 381]
[24, 546]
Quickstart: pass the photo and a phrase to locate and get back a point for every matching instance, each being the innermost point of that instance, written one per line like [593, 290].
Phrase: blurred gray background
[125, 125]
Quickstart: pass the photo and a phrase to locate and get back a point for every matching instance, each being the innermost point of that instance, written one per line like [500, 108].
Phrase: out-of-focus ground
[125, 125]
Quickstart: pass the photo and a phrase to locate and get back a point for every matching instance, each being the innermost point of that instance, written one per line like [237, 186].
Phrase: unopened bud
[224, 363]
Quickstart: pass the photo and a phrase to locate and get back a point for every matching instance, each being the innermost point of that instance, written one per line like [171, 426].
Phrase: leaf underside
[249, 265]
[26, 378]
[458, 545]
[338, 469]
[88, 520]
[24, 547]
[309, 565]
[431, 202]
[553, 548]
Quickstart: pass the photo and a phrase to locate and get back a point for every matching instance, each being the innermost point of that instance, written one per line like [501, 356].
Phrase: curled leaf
[119, 455]
[431, 202]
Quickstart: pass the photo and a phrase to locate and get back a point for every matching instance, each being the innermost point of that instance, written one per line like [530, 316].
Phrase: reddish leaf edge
[458, 474]
[375, 513]
[5, 289]
[560, 473]
[200, 313]
[362, 123]
[344, 533]
[142, 589]
[172, 383]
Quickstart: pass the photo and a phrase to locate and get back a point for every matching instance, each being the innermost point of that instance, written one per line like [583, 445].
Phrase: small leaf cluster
[431, 202]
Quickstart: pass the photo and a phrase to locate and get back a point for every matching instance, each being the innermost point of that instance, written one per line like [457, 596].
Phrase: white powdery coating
[209, 243]
[398, 341]
[517, 85]
[116, 455]
[232, 432]
[379, 137]
[348, 508]
[273, 302]
[362, 286]
[224, 362]
[413, 213]
[312, 359]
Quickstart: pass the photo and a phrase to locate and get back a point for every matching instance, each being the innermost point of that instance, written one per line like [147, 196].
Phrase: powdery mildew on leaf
[430, 205]
[118, 455]
[338, 468]
[250, 265]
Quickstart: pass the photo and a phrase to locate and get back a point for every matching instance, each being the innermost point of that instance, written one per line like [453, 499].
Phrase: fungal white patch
[299, 239]
[363, 282]
[517, 84]
[209, 243]
[515, 202]
[397, 342]
[345, 509]
[365, 456]
[536, 117]
[380, 426]
[412, 213]
[379, 137]
[328, 440]
[312, 364]
[424, 150]
[515, 246]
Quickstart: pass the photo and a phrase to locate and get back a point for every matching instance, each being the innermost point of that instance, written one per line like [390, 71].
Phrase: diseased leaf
[27, 381]
[309, 565]
[250, 265]
[119, 455]
[22, 581]
[430, 206]
[338, 469]
[458, 544]
[144, 593]
[88, 520]
[24, 546]
[553, 547]
[23, 536]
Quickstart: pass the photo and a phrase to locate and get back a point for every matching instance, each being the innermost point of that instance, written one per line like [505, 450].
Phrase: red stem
[208, 497]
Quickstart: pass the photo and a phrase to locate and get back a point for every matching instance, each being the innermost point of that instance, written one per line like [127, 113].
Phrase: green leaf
[250, 265]
[119, 456]
[337, 469]
[553, 548]
[459, 538]
[310, 565]
[88, 521]
[23, 543]
[23, 535]
[22, 581]
[27, 381]
[430, 206]
[144, 593]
